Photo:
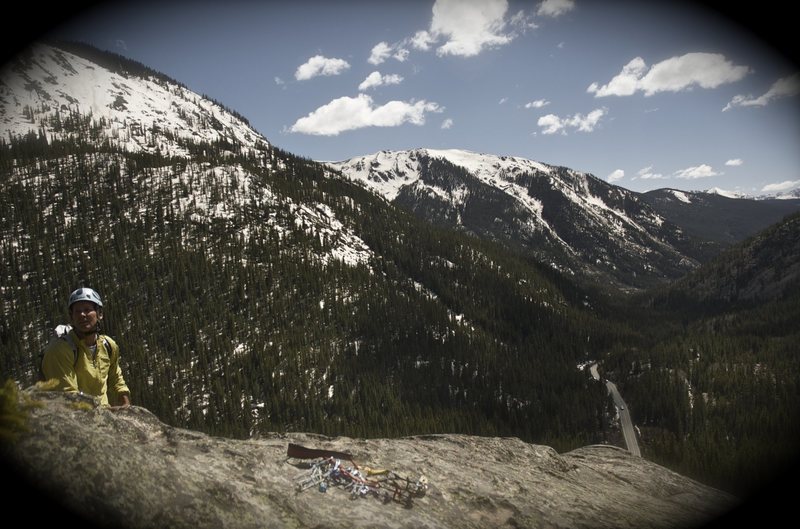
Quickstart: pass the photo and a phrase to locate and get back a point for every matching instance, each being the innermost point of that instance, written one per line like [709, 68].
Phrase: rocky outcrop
[127, 469]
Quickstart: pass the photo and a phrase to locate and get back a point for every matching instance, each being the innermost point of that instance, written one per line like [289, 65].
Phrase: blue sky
[643, 94]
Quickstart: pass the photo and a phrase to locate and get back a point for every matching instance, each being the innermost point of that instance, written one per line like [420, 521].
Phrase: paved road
[624, 415]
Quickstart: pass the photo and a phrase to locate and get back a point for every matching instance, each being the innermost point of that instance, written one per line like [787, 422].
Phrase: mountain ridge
[575, 222]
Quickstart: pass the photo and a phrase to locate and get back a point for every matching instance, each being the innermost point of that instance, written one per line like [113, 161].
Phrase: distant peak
[725, 193]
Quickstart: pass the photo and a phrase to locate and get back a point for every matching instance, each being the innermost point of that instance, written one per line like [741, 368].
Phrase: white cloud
[446, 124]
[555, 8]
[350, 113]
[551, 124]
[502, 100]
[734, 162]
[783, 87]
[469, 26]
[401, 55]
[422, 40]
[616, 175]
[278, 81]
[706, 70]
[376, 79]
[319, 65]
[788, 185]
[623, 84]
[380, 52]
[647, 173]
[522, 21]
[539, 103]
[464, 28]
[699, 171]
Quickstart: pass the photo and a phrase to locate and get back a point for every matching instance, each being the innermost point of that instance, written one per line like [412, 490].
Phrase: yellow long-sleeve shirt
[97, 374]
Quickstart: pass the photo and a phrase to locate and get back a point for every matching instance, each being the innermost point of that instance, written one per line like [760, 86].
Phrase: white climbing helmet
[85, 294]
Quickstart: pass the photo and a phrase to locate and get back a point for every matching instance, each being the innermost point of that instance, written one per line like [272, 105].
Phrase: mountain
[67, 90]
[161, 476]
[714, 217]
[253, 291]
[575, 222]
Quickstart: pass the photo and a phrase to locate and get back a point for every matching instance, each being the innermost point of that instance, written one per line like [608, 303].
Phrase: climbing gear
[85, 294]
[385, 485]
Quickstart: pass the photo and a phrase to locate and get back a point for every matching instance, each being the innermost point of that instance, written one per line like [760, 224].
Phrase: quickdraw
[385, 485]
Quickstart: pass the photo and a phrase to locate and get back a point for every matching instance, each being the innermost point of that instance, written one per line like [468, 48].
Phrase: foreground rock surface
[129, 470]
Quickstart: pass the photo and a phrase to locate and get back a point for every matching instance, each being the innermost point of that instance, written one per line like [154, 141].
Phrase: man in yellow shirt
[84, 360]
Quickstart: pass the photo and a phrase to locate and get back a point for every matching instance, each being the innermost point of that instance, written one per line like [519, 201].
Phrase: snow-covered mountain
[122, 106]
[790, 194]
[52, 90]
[571, 220]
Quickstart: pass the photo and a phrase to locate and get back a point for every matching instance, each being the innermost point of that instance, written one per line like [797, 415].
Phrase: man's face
[85, 315]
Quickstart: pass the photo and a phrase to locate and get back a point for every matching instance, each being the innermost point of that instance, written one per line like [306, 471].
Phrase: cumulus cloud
[446, 124]
[319, 65]
[376, 79]
[646, 173]
[380, 52]
[464, 28]
[616, 175]
[699, 171]
[552, 124]
[706, 70]
[350, 113]
[555, 8]
[734, 162]
[783, 87]
[469, 26]
[539, 103]
[780, 187]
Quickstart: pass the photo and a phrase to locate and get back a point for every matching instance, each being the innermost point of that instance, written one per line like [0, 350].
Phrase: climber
[83, 360]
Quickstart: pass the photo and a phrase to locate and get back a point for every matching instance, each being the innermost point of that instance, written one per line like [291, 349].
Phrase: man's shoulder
[58, 342]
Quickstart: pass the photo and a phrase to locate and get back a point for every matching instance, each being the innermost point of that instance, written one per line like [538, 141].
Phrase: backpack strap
[68, 338]
[108, 344]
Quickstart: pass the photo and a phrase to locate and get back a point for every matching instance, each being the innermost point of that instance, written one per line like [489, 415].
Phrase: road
[624, 415]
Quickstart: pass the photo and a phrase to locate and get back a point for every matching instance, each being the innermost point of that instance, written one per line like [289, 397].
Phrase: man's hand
[124, 402]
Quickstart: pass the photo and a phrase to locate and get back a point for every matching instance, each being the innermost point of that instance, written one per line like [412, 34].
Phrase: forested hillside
[715, 382]
[235, 316]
